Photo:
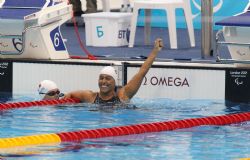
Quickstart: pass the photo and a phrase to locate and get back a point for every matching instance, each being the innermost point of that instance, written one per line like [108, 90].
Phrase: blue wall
[222, 9]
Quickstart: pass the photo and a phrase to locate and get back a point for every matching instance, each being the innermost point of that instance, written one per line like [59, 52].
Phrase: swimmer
[49, 90]
[108, 80]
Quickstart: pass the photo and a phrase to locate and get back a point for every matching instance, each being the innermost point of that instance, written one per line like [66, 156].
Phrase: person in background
[91, 6]
[108, 83]
[49, 90]
[77, 7]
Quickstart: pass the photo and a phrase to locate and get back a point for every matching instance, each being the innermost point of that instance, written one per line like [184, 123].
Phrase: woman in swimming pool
[48, 90]
[107, 83]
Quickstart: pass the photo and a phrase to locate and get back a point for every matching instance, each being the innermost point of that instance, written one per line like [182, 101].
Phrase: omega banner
[177, 83]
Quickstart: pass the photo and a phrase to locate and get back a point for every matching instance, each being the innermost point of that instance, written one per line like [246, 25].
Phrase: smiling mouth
[104, 85]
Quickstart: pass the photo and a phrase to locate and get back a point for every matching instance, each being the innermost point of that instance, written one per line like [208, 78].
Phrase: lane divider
[14, 105]
[29, 140]
[122, 130]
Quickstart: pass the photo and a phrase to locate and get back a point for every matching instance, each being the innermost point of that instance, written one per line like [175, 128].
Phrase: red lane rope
[13, 105]
[122, 130]
[153, 127]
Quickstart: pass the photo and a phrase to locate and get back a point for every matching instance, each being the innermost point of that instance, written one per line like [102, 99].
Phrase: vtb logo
[124, 34]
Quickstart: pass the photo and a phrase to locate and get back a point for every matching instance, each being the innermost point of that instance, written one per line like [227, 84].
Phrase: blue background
[228, 8]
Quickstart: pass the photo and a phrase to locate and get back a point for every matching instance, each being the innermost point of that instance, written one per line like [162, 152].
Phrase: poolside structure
[236, 31]
[29, 27]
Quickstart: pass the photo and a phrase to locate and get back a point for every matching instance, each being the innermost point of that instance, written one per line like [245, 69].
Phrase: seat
[169, 6]
[31, 29]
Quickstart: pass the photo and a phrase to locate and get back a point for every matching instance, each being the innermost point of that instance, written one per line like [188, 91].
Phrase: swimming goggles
[53, 93]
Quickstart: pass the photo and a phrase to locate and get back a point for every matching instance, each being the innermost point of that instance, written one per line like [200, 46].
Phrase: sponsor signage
[166, 81]
[6, 77]
[181, 83]
[237, 85]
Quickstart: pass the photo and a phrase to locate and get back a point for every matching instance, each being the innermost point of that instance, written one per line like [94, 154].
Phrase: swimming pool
[204, 142]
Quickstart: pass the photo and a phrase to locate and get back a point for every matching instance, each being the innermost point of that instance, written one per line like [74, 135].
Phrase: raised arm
[129, 90]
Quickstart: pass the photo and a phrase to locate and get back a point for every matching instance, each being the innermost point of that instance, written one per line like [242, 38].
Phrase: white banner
[27, 76]
[181, 83]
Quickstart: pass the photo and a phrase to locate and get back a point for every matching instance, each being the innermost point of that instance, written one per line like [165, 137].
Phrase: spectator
[77, 8]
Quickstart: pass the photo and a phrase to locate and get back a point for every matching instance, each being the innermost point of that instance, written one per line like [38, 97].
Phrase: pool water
[203, 142]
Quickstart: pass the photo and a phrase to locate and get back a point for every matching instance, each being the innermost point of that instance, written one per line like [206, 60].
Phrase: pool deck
[140, 50]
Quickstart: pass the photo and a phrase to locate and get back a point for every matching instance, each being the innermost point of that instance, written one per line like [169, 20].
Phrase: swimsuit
[112, 101]
[111, 104]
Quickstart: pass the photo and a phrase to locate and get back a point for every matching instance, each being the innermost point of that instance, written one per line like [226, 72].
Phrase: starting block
[33, 32]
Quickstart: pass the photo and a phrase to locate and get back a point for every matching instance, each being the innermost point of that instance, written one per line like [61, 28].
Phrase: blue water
[204, 142]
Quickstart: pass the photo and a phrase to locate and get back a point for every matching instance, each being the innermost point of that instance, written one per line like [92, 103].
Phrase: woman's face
[106, 83]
